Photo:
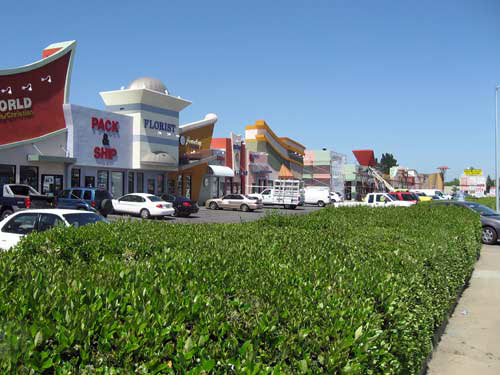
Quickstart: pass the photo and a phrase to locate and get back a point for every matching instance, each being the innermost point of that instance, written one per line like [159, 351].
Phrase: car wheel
[106, 207]
[6, 213]
[489, 236]
[244, 208]
[145, 214]
[321, 204]
[213, 206]
[293, 207]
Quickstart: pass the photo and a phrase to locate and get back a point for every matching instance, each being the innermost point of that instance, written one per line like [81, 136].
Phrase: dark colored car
[88, 199]
[490, 220]
[183, 206]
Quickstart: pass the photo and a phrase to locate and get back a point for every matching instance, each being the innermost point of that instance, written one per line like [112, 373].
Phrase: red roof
[365, 157]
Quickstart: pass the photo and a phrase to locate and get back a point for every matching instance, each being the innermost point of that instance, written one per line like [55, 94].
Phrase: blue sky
[413, 78]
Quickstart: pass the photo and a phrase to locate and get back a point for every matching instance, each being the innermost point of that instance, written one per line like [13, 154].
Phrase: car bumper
[162, 212]
[188, 210]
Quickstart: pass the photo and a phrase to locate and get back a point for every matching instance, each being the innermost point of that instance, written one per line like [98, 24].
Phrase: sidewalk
[471, 342]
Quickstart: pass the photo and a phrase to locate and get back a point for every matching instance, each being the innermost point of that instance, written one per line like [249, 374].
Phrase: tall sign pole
[497, 198]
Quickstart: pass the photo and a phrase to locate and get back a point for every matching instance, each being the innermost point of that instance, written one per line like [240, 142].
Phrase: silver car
[234, 202]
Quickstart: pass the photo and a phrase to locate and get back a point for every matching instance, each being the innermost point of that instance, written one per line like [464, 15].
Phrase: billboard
[32, 96]
[473, 172]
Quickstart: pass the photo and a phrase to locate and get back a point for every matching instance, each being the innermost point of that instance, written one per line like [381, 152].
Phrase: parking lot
[225, 216]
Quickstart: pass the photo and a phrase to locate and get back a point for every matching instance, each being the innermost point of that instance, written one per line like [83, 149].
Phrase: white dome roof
[148, 83]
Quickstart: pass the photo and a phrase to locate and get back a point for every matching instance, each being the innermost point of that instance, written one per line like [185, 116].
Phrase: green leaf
[38, 338]
[303, 366]
[358, 332]
[188, 345]
[208, 365]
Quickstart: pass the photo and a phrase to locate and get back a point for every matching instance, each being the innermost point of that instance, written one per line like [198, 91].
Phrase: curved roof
[149, 83]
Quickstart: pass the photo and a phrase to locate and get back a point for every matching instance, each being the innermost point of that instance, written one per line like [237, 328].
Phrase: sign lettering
[159, 125]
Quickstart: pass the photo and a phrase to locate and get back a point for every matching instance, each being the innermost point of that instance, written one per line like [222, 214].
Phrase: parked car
[234, 201]
[422, 197]
[183, 206]
[143, 204]
[490, 220]
[376, 200]
[404, 196]
[335, 197]
[15, 197]
[88, 199]
[22, 223]
[286, 193]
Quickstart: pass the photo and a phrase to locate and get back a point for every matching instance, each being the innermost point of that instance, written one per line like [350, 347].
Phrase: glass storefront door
[7, 174]
[52, 184]
[116, 184]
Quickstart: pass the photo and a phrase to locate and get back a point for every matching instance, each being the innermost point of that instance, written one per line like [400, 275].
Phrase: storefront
[267, 153]
[132, 146]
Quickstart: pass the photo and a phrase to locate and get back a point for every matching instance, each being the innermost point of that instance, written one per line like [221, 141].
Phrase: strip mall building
[135, 145]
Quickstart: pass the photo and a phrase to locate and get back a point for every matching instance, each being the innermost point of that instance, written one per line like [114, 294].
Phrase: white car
[145, 205]
[335, 197]
[22, 223]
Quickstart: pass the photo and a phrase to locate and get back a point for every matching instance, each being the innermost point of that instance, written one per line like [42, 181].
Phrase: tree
[489, 183]
[387, 161]
[453, 182]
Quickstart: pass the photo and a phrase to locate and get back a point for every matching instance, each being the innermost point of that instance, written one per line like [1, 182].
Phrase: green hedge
[348, 291]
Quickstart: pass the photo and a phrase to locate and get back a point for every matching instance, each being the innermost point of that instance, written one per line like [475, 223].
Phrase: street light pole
[497, 198]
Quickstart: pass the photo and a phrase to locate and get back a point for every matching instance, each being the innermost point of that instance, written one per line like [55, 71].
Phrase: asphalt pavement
[471, 342]
[225, 216]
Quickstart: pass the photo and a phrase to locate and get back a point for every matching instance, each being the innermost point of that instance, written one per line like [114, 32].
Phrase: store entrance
[52, 184]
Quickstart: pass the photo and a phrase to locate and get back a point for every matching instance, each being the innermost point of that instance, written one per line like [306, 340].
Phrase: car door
[62, 198]
[123, 204]
[267, 197]
[136, 204]
[17, 227]
[236, 201]
[226, 201]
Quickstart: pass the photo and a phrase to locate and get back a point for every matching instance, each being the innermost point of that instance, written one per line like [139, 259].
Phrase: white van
[317, 195]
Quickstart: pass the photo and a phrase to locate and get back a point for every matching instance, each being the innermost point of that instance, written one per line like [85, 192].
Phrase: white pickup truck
[376, 200]
[285, 193]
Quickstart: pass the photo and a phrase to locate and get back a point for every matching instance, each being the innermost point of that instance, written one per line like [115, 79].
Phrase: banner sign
[32, 98]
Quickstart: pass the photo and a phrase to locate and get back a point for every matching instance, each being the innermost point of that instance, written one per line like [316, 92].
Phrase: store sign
[32, 98]
[99, 138]
[105, 125]
[473, 172]
[159, 125]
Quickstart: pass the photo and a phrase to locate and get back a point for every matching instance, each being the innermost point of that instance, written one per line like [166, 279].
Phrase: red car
[404, 196]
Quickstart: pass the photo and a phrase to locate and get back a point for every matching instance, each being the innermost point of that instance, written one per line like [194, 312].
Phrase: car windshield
[483, 210]
[84, 218]
[394, 196]
[154, 198]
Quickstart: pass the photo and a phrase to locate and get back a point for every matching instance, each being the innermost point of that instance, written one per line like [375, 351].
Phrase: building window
[29, 176]
[102, 179]
[161, 184]
[130, 182]
[7, 174]
[171, 186]
[151, 185]
[188, 186]
[140, 182]
[179, 184]
[75, 177]
[117, 184]
[89, 181]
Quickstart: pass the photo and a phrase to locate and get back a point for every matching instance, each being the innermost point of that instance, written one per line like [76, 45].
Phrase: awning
[158, 158]
[220, 171]
[51, 158]
[259, 168]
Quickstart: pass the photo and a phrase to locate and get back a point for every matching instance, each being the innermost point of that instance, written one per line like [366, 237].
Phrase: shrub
[351, 291]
